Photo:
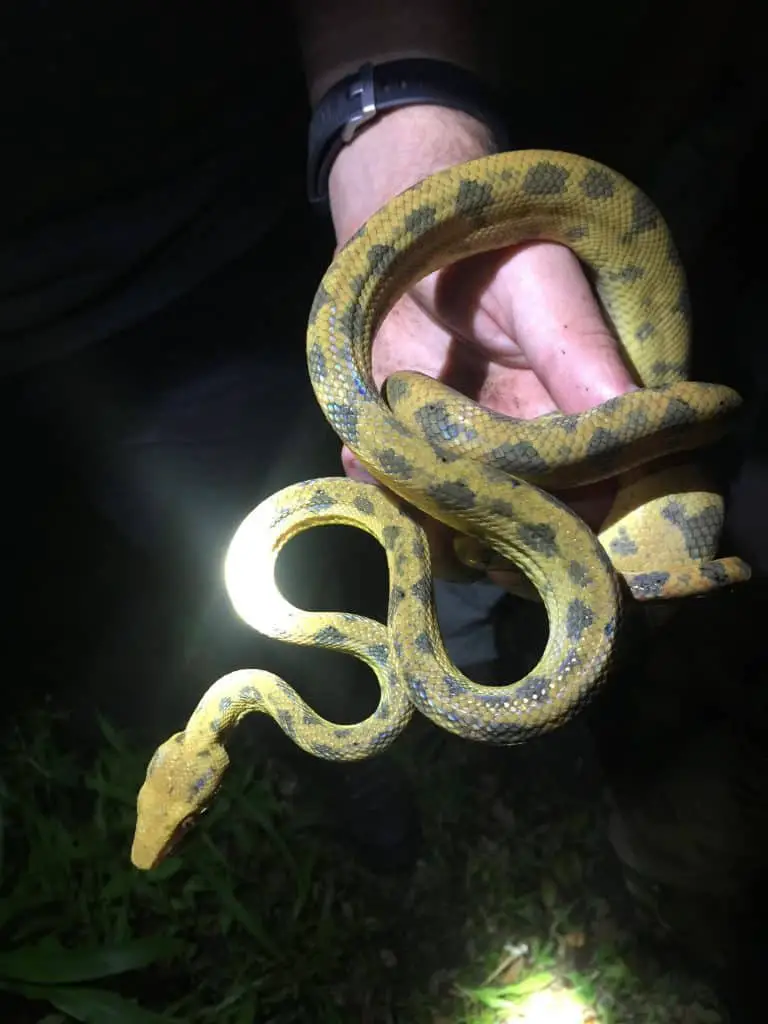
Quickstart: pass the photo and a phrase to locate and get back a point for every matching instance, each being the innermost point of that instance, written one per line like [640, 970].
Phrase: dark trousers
[175, 429]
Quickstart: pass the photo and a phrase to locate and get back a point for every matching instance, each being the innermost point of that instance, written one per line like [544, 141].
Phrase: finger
[409, 339]
[353, 468]
[533, 306]
[543, 299]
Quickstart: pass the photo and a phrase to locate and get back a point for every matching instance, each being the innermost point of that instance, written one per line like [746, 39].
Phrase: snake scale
[480, 474]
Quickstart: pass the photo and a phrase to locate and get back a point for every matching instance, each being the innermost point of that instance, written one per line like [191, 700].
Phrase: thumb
[532, 307]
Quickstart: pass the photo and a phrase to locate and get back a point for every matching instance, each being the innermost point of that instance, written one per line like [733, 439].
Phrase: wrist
[396, 151]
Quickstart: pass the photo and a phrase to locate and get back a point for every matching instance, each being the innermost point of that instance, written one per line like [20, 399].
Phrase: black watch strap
[374, 89]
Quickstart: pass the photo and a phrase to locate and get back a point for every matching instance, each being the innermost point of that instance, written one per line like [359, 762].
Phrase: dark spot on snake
[419, 550]
[396, 595]
[714, 572]
[423, 644]
[545, 179]
[215, 726]
[386, 736]
[311, 719]
[422, 590]
[395, 389]
[698, 531]
[329, 636]
[645, 216]
[443, 455]
[389, 535]
[611, 404]
[568, 423]
[539, 537]
[324, 750]
[285, 718]
[609, 630]
[678, 414]
[534, 688]
[417, 688]
[522, 457]
[662, 369]
[352, 321]
[201, 783]
[316, 362]
[648, 584]
[473, 197]
[569, 662]
[453, 496]
[634, 422]
[436, 423]
[379, 653]
[322, 296]
[645, 331]
[420, 220]
[577, 232]
[623, 543]
[248, 693]
[364, 505]
[578, 573]
[495, 701]
[394, 464]
[597, 184]
[281, 516]
[496, 476]
[578, 618]
[604, 442]
[502, 508]
[627, 275]
[320, 501]
[683, 304]
[381, 258]
[454, 687]
[225, 704]
[604, 458]
[344, 419]
[288, 693]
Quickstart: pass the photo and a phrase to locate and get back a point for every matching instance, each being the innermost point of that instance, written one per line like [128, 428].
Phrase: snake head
[181, 781]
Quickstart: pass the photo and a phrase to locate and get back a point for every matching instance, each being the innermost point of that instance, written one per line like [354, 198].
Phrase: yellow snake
[476, 472]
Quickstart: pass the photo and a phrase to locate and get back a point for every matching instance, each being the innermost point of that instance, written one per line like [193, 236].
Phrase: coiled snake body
[478, 473]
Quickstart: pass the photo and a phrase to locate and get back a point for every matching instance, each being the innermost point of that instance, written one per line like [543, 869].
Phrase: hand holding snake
[479, 474]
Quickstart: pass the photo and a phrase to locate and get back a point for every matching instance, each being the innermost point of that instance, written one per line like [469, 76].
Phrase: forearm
[337, 36]
[402, 146]
[395, 152]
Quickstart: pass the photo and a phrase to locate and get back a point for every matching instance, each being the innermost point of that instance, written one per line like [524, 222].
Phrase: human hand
[517, 330]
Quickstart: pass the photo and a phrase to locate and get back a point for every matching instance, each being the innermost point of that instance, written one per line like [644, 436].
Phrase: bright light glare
[561, 1006]
[249, 574]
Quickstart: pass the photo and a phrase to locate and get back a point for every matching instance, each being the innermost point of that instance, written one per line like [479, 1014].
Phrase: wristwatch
[375, 88]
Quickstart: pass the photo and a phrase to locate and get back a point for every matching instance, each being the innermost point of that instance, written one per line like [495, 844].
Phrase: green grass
[259, 919]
